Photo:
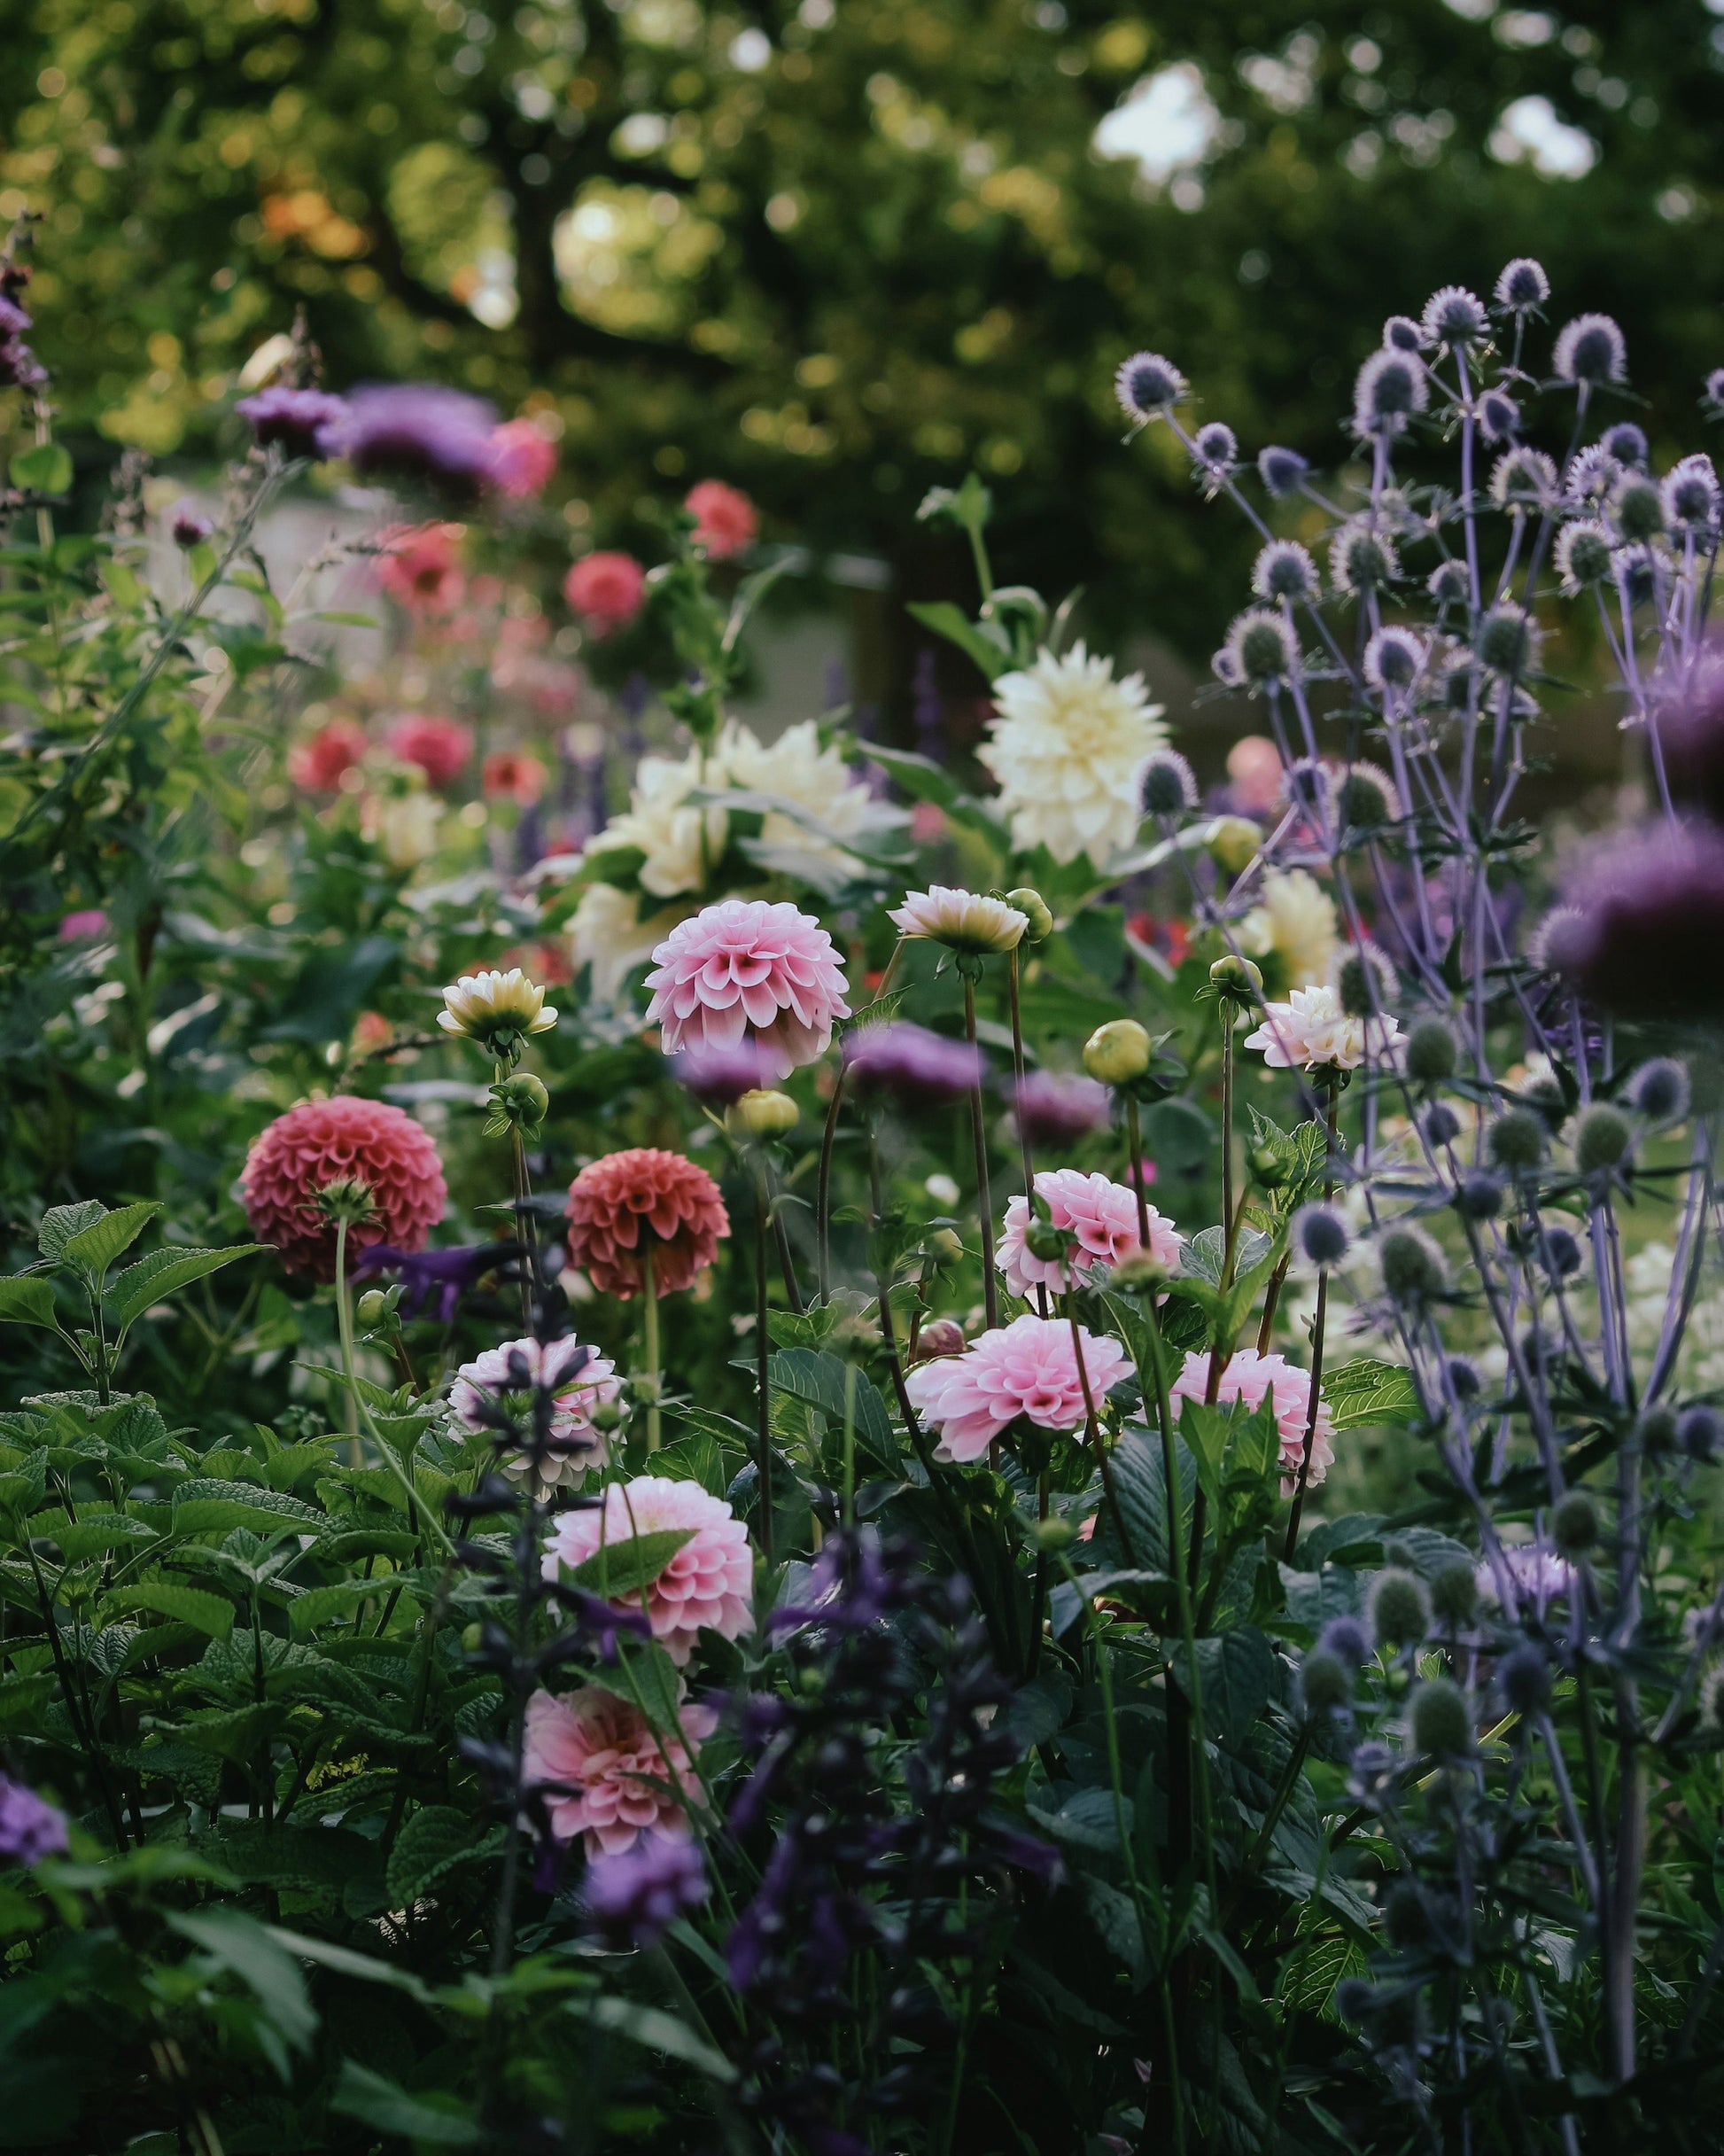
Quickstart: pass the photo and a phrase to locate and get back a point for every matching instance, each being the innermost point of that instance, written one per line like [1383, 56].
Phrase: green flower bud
[1238, 979]
[1034, 908]
[349, 1200]
[1658, 1431]
[946, 1245]
[1399, 1609]
[1052, 1534]
[762, 1114]
[1432, 1054]
[1575, 1524]
[1268, 1166]
[1137, 1273]
[1233, 842]
[372, 1307]
[1518, 1142]
[1045, 1241]
[1440, 1720]
[1327, 1682]
[520, 1100]
[1117, 1053]
[1602, 1139]
[1454, 1593]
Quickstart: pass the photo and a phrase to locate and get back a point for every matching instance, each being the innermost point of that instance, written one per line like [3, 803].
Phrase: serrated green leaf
[625, 1568]
[818, 1379]
[1366, 1394]
[431, 1845]
[319, 1606]
[203, 1507]
[163, 1272]
[94, 1249]
[211, 1613]
[28, 1300]
[61, 1223]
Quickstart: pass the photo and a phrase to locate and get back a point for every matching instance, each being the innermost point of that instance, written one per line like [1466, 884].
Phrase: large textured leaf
[94, 1249]
[29, 1301]
[1236, 1671]
[203, 1507]
[1363, 1394]
[1139, 1479]
[431, 1845]
[98, 1531]
[1114, 1916]
[210, 1613]
[625, 1568]
[432, 2121]
[1313, 1597]
[163, 1272]
[818, 1379]
[61, 1223]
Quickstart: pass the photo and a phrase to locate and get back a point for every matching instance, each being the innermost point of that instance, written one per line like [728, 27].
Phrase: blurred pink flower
[440, 747]
[604, 1772]
[319, 765]
[83, 926]
[522, 459]
[1254, 765]
[605, 591]
[1029, 1369]
[707, 1586]
[1103, 1216]
[1253, 1377]
[511, 776]
[725, 523]
[745, 965]
[928, 823]
[420, 568]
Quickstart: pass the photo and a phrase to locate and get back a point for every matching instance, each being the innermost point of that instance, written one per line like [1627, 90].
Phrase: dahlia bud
[372, 1307]
[938, 1338]
[1034, 908]
[1053, 1534]
[1232, 842]
[1137, 1272]
[945, 1246]
[517, 1104]
[762, 1114]
[1268, 1166]
[1117, 1053]
[1042, 1240]
[1237, 979]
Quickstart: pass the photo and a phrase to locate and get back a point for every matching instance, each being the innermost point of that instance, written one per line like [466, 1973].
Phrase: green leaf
[22, 1490]
[991, 658]
[28, 1300]
[431, 1845]
[1364, 1394]
[1177, 1136]
[1140, 1483]
[202, 1507]
[440, 2121]
[163, 1272]
[94, 1249]
[241, 1945]
[45, 468]
[818, 1380]
[625, 1568]
[1236, 1671]
[99, 1531]
[1114, 1916]
[210, 1613]
[655, 2030]
[61, 1223]
[318, 1606]
[695, 1459]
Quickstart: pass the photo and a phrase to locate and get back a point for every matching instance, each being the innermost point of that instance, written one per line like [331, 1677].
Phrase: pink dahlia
[1102, 1216]
[508, 775]
[1253, 1377]
[342, 1140]
[84, 926]
[725, 521]
[1029, 1369]
[627, 1202]
[604, 1773]
[522, 459]
[745, 964]
[605, 592]
[440, 747]
[319, 765]
[420, 568]
[488, 1383]
[707, 1586]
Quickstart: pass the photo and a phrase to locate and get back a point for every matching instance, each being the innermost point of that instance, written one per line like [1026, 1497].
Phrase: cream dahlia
[487, 1382]
[628, 1202]
[747, 966]
[342, 1140]
[498, 1010]
[607, 934]
[1312, 1030]
[1029, 1368]
[707, 1586]
[1295, 918]
[1068, 747]
[961, 920]
[1253, 1377]
[604, 1774]
[1103, 1217]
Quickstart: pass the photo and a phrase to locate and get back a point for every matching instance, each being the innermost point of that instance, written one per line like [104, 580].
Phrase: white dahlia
[608, 934]
[1068, 748]
[666, 826]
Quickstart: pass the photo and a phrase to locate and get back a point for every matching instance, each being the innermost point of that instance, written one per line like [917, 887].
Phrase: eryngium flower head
[1394, 659]
[1523, 478]
[1365, 798]
[633, 1899]
[967, 920]
[1590, 350]
[30, 1828]
[1320, 1235]
[1029, 1368]
[1690, 495]
[1284, 570]
[1262, 647]
[498, 1010]
[1282, 471]
[1147, 385]
[1660, 1091]
[747, 966]
[1217, 451]
[1440, 1720]
[642, 1198]
[1522, 287]
[1498, 415]
[1361, 559]
[1507, 638]
[1308, 785]
[1364, 979]
[1448, 583]
[1401, 333]
[911, 1065]
[1712, 396]
[1058, 1108]
[1414, 1271]
[1637, 507]
[1642, 927]
[305, 422]
[417, 430]
[1583, 554]
[707, 1585]
[1399, 1607]
[1170, 785]
[1455, 318]
[1326, 1682]
[1067, 747]
[1390, 390]
[341, 1141]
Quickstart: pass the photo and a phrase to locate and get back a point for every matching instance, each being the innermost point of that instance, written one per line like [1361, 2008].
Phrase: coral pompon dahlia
[603, 1773]
[1100, 1215]
[962, 920]
[579, 1380]
[496, 1009]
[746, 966]
[707, 1586]
[1028, 1369]
[628, 1204]
[342, 1140]
[1254, 1378]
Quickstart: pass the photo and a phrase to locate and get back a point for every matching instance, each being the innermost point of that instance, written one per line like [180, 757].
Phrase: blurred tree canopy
[841, 251]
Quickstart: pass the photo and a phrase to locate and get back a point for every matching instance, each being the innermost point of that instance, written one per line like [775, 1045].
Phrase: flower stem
[1017, 1076]
[344, 1318]
[1134, 1138]
[650, 1289]
[984, 1193]
[823, 1196]
[1316, 1349]
[763, 1349]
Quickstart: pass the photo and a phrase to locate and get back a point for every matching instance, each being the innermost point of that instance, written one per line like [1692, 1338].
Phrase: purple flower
[29, 1828]
[716, 1078]
[191, 528]
[303, 420]
[1688, 715]
[1054, 1109]
[919, 1069]
[445, 1274]
[417, 430]
[636, 1898]
[1642, 930]
[13, 319]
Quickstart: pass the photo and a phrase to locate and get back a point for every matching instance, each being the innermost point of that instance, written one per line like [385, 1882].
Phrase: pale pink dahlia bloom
[486, 1383]
[1253, 1377]
[1029, 1368]
[707, 1586]
[745, 965]
[605, 1774]
[1102, 1216]
[1311, 1029]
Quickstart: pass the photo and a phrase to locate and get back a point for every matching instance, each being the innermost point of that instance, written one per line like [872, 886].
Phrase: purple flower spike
[417, 431]
[634, 1898]
[917, 1068]
[29, 1828]
[442, 1275]
[717, 1077]
[303, 420]
[1060, 1111]
[1645, 919]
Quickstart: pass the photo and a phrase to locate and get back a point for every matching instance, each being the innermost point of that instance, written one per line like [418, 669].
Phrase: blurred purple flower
[719, 1077]
[414, 430]
[1644, 922]
[1054, 1109]
[1688, 718]
[636, 1898]
[917, 1068]
[445, 1275]
[30, 1829]
[303, 420]
[190, 526]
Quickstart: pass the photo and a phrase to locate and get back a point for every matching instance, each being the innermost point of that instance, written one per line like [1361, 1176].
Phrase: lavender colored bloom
[190, 527]
[302, 421]
[1641, 932]
[1401, 333]
[1056, 1110]
[1391, 388]
[718, 1078]
[1712, 397]
[1536, 1576]
[416, 430]
[1453, 317]
[1147, 385]
[1283, 470]
[915, 1067]
[20, 369]
[1523, 286]
[1626, 443]
[636, 1898]
[1348, 1639]
[30, 1828]
[442, 1275]
[1498, 414]
[1590, 350]
[1217, 448]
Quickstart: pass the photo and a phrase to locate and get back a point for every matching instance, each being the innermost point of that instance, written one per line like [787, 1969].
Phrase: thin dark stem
[984, 1193]
[1017, 1070]
[1311, 1413]
[763, 1349]
[1134, 1138]
[823, 1194]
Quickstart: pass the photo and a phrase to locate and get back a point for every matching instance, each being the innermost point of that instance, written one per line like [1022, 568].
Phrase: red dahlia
[621, 1203]
[342, 1140]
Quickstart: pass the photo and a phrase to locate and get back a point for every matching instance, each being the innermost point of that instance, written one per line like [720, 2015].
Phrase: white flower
[481, 1005]
[1068, 747]
[963, 920]
[1311, 1029]
[608, 934]
[404, 825]
[1296, 918]
[666, 827]
[487, 1383]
